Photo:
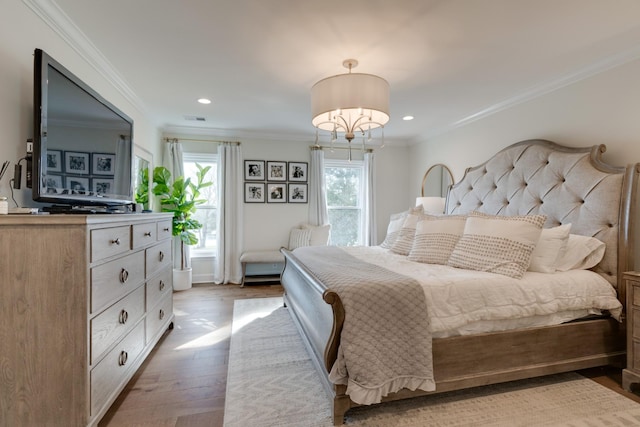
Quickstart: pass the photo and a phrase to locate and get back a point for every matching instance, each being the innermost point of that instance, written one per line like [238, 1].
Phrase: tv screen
[82, 143]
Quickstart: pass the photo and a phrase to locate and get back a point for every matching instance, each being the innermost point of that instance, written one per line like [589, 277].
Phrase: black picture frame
[298, 171]
[298, 193]
[76, 162]
[254, 170]
[276, 171]
[103, 163]
[77, 184]
[276, 192]
[254, 192]
[54, 183]
[54, 161]
[102, 185]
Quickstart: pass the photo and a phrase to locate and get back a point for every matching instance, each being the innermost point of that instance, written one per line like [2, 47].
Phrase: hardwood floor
[183, 382]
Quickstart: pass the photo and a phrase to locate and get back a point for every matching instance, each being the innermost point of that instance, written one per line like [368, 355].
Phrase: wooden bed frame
[467, 361]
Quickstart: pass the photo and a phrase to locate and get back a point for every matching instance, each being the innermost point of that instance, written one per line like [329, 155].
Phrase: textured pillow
[582, 253]
[435, 238]
[319, 234]
[299, 237]
[551, 245]
[404, 242]
[395, 225]
[497, 244]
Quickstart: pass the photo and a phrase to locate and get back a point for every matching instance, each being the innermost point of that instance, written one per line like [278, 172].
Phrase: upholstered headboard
[568, 185]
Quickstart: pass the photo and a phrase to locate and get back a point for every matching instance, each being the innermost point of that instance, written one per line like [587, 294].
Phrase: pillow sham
[553, 241]
[582, 253]
[404, 241]
[319, 234]
[299, 237]
[395, 225]
[497, 244]
[435, 237]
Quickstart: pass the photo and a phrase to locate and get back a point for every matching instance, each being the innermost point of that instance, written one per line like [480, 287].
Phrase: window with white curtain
[344, 182]
[206, 213]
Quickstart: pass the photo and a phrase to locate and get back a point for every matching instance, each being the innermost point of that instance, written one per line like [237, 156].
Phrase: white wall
[603, 109]
[21, 31]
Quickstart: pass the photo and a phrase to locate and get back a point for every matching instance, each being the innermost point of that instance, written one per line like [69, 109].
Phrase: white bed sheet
[464, 302]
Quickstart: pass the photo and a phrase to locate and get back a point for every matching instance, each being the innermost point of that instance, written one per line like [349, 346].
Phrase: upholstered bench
[259, 257]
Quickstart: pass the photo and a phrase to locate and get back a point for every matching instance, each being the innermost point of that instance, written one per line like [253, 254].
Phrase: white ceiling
[447, 61]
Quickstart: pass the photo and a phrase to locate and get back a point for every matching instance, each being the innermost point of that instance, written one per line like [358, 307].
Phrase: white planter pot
[181, 279]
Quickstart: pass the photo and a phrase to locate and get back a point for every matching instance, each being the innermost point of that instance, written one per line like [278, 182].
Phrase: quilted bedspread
[386, 338]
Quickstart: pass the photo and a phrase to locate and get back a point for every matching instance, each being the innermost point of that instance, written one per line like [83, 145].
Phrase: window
[344, 182]
[206, 213]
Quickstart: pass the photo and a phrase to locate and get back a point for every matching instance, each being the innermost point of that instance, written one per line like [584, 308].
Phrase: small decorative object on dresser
[631, 375]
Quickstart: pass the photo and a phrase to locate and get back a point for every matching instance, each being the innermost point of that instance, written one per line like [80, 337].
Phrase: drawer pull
[166, 229]
[124, 275]
[147, 234]
[162, 285]
[161, 256]
[161, 314]
[124, 316]
[116, 241]
[122, 358]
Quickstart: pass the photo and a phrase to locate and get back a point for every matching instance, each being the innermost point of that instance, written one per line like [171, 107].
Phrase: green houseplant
[181, 197]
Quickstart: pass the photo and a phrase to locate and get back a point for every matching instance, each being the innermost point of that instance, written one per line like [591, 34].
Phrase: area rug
[272, 382]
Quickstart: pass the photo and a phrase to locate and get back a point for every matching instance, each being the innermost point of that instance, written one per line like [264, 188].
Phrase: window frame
[353, 164]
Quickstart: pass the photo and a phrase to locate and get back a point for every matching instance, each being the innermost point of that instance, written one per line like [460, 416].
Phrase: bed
[533, 178]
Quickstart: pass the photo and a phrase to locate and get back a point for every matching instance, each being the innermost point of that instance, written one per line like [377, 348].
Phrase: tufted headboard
[568, 185]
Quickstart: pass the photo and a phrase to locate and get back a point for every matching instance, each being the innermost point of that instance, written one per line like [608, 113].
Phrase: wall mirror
[436, 181]
[142, 176]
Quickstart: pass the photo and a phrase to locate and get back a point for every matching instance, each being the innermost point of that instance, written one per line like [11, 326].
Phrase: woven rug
[272, 382]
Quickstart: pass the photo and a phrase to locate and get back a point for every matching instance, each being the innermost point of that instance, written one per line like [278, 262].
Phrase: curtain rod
[199, 140]
[322, 147]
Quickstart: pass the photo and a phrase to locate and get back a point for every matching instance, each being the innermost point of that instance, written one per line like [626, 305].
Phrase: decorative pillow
[299, 237]
[319, 234]
[581, 253]
[404, 242]
[435, 238]
[395, 225]
[551, 245]
[497, 244]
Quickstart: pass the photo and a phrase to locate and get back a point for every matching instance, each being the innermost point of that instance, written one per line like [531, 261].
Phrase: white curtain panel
[123, 150]
[370, 233]
[317, 193]
[230, 214]
[172, 160]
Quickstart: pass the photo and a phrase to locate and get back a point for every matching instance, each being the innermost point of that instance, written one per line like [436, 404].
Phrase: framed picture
[77, 184]
[254, 192]
[103, 164]
[76, 162]
[297, 193]
[53, 183]
[298, 171]
[276, 192]
[276, 171]
[54, 161]
[254, 170]
[102, 185]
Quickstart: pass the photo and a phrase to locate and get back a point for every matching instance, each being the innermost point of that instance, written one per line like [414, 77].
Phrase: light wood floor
[183, 381]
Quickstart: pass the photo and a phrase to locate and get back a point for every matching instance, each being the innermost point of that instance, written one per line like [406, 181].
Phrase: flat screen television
[82, 145]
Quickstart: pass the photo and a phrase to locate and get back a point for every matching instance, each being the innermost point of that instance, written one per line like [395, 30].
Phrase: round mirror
[436, 181]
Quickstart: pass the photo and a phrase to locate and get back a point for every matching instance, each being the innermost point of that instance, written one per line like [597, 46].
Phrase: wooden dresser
[631, 375]
[83, 301]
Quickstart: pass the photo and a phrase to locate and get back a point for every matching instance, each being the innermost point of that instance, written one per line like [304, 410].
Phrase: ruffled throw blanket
[386, 341]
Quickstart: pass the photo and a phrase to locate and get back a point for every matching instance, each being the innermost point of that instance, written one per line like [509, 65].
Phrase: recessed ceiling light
[407, 118]
[204, 101]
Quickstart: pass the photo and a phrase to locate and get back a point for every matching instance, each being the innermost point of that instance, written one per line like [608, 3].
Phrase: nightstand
[631, 375]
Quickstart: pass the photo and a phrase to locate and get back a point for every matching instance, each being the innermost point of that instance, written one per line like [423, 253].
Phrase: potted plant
[181, 197]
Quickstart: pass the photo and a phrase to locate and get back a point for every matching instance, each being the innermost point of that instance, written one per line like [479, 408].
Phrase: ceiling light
[407, 118]
[204, 101]
[350, 104]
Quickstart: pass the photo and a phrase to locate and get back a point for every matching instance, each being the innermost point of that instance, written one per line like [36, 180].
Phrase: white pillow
[395, 225]
[404, 242]
[299, 237]
[497, 244]
[551, 245]
[435, 238]
[582, 253]
[319, 234]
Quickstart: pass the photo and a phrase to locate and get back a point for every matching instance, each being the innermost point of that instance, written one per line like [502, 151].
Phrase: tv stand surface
[85, 210]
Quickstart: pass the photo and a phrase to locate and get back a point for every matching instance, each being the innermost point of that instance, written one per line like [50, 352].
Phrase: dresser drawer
[143, 234]
[112, 280]
[115, 321]
[158, 257]
[165, 229]
[107, 242]
[115, 366]
[159, 315]
[159, 285]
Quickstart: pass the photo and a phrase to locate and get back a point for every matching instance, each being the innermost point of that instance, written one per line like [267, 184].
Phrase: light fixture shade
[354, 94]
[432, 205]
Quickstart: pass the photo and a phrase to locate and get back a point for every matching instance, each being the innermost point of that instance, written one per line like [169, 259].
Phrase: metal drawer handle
[166, 229]
[124, 316]
[124, 275]
[147, 234]
[162, 285]
[122, 358]
[161, 314]
[116, 241]
[161, 256]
